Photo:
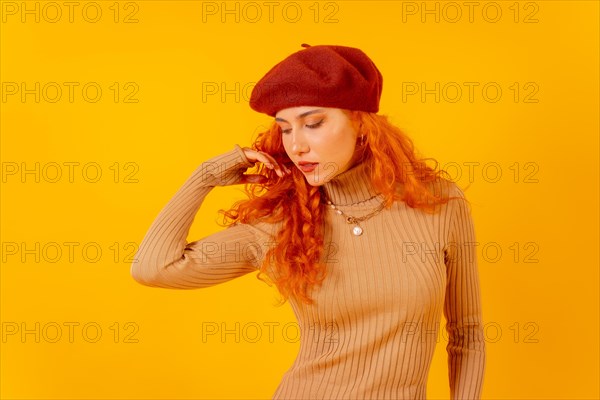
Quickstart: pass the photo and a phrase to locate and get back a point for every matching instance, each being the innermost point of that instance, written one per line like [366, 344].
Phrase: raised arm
[462, 308]
[165, 259]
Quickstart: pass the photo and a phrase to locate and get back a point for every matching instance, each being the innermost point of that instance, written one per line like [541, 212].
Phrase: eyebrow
[302, 115]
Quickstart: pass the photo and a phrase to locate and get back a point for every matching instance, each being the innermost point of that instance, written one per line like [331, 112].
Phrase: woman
[368, 243]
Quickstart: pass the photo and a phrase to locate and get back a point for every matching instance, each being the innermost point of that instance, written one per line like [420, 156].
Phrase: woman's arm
[462, 308]
[165, 259]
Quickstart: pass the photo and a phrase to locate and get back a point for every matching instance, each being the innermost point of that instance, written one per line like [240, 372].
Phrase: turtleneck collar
[351, 186]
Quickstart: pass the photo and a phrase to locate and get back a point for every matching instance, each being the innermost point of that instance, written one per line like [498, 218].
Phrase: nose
[299, 143]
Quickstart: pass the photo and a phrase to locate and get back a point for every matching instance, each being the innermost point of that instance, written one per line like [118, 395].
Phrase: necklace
[357, 230]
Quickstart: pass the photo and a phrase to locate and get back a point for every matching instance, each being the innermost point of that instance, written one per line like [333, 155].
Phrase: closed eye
[313, 126]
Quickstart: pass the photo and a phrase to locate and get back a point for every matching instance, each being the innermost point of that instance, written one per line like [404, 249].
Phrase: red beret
[327, 76]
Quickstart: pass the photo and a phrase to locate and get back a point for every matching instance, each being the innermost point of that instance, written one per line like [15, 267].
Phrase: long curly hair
[392, 161]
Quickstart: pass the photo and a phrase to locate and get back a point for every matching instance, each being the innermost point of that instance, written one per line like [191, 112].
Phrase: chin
[310, 179]
[312, 182]
[315, 184]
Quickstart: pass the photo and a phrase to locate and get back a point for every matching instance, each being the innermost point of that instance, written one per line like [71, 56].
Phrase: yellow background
[541, 317]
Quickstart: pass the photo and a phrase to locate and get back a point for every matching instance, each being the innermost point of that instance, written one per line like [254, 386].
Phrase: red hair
[392, 162]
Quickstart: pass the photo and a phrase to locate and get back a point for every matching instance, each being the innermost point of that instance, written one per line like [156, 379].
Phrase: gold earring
[362, 139]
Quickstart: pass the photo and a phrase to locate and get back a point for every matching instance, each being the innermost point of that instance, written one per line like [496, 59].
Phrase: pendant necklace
[357, 230]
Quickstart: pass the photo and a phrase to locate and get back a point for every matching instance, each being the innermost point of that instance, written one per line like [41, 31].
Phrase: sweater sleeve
[165, 259]
[462, 308]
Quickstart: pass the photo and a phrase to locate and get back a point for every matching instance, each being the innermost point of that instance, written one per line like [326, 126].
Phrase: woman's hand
[268, 160]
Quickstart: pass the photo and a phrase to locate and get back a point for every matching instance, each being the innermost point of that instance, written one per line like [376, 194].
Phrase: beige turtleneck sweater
[373, 330]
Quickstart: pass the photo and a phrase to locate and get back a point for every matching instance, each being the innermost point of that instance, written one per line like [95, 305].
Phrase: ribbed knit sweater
[373, 329]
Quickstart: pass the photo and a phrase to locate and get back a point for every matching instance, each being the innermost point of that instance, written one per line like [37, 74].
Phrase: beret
[323, 75]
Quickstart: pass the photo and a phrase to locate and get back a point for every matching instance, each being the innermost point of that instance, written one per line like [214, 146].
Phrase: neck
[351, 186]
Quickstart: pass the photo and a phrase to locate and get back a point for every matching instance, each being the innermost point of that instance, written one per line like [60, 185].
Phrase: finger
[253, 155]
[268, 160]
[279, 168]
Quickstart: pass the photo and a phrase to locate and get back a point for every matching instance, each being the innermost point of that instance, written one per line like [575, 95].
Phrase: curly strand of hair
[312, 233]
[305, 246]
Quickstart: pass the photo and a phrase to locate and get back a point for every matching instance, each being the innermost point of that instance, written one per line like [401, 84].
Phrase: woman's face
[323, 137]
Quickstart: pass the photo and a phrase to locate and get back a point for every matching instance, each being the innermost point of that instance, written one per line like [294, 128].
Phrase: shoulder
[457, 201]
[443, 187]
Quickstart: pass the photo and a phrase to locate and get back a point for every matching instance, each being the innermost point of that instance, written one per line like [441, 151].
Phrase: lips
[306, 166]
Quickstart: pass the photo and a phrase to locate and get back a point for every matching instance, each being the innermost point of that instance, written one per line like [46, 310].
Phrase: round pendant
[357, 230]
